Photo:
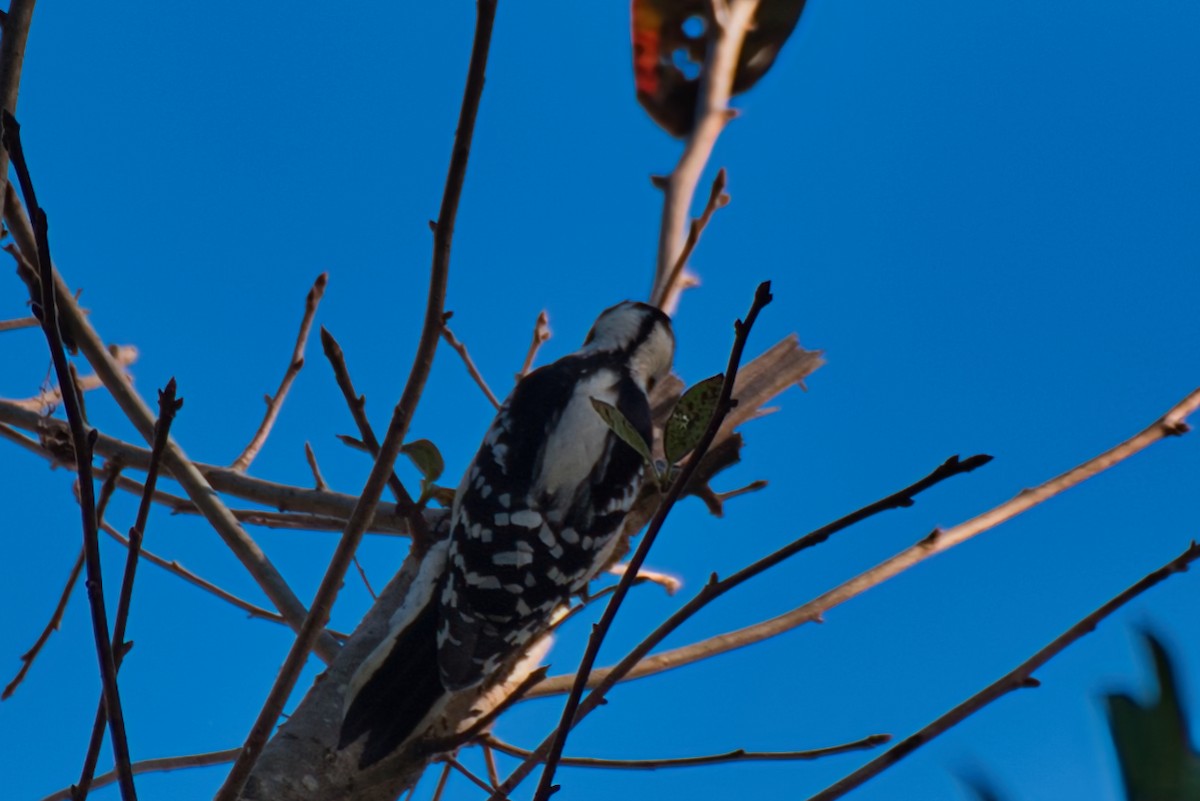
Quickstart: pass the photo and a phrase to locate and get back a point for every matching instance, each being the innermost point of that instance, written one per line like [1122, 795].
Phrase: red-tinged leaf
[667, 32]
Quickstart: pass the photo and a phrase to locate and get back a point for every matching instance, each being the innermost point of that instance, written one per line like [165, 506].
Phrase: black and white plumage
[536, 516]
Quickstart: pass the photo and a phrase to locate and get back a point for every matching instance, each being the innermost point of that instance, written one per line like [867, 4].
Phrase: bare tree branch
[716, 199]
[180, 467]
[358, 410]
[1019, 678]
[182, 572]
[280, 496]
[1173, 423]
[155, 765]
[461, 349]
[52, 625]
[603, 681]
[762, 297]
[82, 440]
[18, 323]
[738, 755]
[274, 404]
[360, 519]
[541, 333]
[52, 396]
[311, 458]
[712, 113]
[17, 20]
[168, 405]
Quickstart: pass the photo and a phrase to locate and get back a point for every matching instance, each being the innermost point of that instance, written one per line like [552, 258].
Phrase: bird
[537, 515]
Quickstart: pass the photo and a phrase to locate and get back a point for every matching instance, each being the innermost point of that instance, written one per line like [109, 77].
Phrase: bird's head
[642, 334]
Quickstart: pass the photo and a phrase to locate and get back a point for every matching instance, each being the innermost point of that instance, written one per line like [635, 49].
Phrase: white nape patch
[576, 444]
[420, 593]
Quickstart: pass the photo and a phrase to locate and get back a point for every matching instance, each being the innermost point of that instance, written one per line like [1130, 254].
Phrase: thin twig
[738, 755]
[541, 333]
[168, 405]
[441, 785]
[52, 396]
[1019, 678]
[318, 479]
[634, 666]
[27, 658]
[274, 404]
[17, 20]
[1173, 423]
[461, 768]
[315, 509]
[389, 449]
[489, 762]
[182, 572]
[724, 403]
[52, 626]
[81, 438]
[712, 113]
[605, 680]
[19, 323]
[153, 766]
[337, 505]
[458, 346]
[358, 410]
[180, 467]
[717, 198]
[366, 583]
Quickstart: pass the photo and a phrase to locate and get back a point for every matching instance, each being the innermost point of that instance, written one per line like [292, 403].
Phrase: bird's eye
[650, 384]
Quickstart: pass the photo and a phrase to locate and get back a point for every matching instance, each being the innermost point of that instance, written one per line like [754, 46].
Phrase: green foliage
[621, 426]
[690, 418]
[428, 460]
[1158, 760]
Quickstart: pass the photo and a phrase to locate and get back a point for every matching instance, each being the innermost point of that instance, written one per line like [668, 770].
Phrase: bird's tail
[394, 689]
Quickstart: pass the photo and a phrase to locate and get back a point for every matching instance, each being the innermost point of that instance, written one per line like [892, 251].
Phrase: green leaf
[690, 418]
[621, 426]
[426, 457]
[1157, 757]
[443, 495]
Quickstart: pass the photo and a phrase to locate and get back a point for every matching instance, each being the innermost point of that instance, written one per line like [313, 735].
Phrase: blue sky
[985, 215]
